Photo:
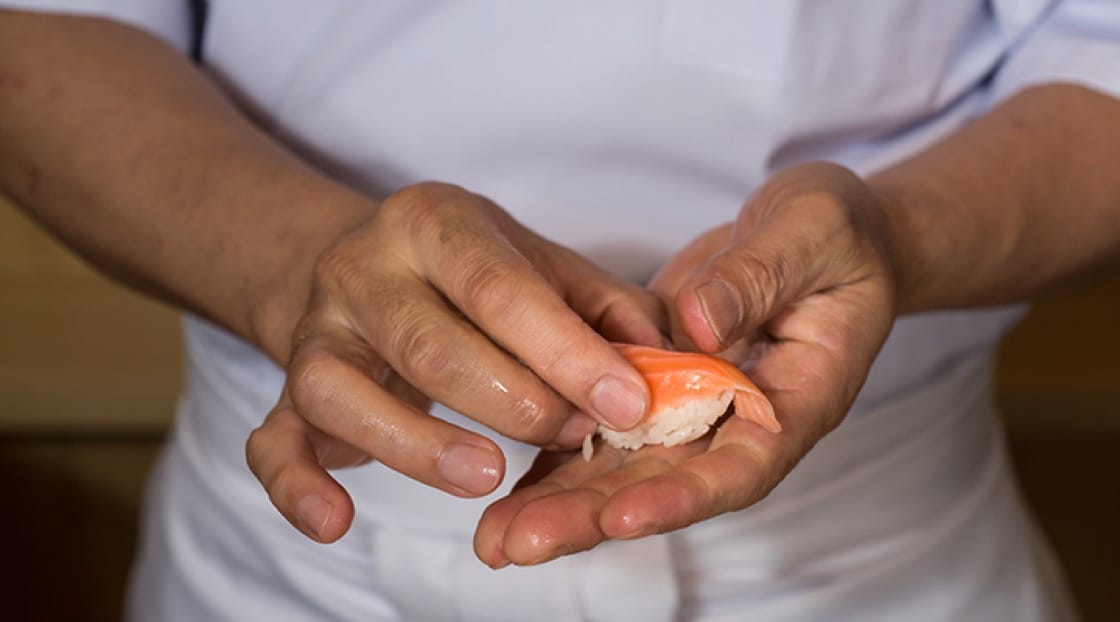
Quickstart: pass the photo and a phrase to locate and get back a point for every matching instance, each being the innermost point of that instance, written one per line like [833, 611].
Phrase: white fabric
[946, 538]
[1076, 42]
[623, 129]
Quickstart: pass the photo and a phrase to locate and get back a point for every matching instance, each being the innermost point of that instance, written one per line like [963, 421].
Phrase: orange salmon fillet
[677, 377]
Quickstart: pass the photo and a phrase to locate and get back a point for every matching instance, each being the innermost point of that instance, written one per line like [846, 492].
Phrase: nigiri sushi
[688, 393]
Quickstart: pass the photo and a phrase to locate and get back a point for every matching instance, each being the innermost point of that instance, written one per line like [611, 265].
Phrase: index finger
[517, 306]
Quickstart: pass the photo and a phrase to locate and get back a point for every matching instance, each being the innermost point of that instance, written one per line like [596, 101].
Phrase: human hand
[800, 291]
[441, 295]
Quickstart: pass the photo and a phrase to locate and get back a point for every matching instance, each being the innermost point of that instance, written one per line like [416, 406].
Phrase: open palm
[815, 303]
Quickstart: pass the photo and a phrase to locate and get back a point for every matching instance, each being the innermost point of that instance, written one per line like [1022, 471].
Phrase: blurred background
[89, 373]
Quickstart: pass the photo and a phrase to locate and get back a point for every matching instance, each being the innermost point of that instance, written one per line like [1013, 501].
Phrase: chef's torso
[623, 130]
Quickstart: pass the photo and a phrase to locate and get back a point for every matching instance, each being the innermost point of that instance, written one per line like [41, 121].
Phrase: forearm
[1022, 200]
[134, 158]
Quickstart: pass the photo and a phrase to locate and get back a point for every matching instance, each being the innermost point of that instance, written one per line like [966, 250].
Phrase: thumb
[763, 271]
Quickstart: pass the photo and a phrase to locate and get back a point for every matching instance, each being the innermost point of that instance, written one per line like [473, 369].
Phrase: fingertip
[623, 519]
[313, 512]
[341, 519]
[499, 563]
[625, 526]
[324, 515]
[280, 456]
[489, 534]
[695, 323]
[631, 325]
[721, 306]
[471, 469]
[490, 553]
[619, 402]
[577, 428]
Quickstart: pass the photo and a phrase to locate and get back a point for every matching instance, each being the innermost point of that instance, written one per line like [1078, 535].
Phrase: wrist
[891, 201]
[280, 297]
[946, 252]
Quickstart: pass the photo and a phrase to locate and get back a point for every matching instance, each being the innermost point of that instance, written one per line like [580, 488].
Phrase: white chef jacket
[623, 129]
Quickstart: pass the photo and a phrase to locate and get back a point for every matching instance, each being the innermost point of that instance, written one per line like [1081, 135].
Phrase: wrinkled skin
[809, 301]
[440, 295]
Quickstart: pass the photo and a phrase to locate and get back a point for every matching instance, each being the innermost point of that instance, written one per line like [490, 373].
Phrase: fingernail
[575, 429]
[471, 468]
[722, 308]
[633, 529]
[620, 403]
[313, 512]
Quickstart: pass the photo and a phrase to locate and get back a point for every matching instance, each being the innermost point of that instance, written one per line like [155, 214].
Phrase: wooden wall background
[89, 373]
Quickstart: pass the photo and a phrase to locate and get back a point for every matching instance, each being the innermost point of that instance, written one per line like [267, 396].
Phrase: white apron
[906, 512]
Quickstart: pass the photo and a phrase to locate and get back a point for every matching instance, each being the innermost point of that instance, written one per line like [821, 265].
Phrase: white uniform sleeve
[169, 20]
[1075, 41]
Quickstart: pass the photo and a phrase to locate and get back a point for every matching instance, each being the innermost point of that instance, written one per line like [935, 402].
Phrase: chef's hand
[800, 290]
[440, 295]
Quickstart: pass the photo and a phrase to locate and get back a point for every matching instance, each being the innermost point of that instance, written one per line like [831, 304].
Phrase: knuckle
[833, 213]
[424, 209]
[340, 268]
[304, 334]
[761, 280]
[281, 486]
[313, 378]
[489, 287]
[532, 421]
[422, 192]
[255, 446]
[426, 352]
